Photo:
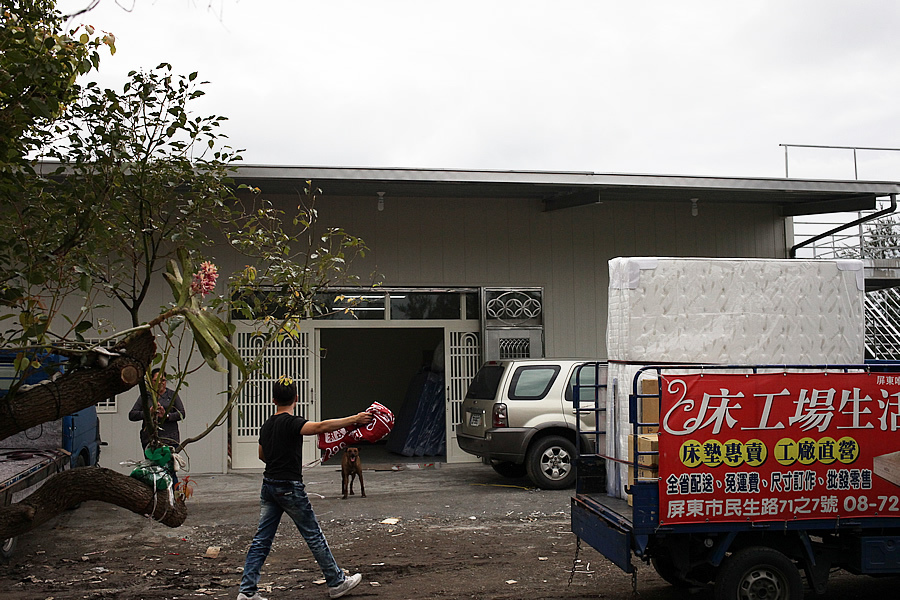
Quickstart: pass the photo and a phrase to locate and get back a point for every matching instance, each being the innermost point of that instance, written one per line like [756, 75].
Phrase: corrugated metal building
[476, 265]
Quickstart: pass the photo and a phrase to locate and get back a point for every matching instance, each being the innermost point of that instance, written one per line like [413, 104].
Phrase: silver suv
[519, 417]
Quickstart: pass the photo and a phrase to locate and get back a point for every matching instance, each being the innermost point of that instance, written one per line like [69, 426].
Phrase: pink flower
[205, 279]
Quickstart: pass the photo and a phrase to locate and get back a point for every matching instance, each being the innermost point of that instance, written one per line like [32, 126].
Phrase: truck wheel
[697, 576]
[666, 569]
[508, 469]
[7, 548]
[759, 573]
[551, 463]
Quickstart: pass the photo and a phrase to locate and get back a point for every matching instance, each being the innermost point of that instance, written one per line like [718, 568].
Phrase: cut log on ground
[71, 487]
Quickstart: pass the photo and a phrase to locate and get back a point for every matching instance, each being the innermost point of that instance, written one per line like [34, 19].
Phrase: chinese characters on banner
[778, 447]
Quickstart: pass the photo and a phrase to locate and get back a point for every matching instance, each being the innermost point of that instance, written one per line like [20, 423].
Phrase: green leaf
[220, 332]
[174, 283]
[84, 283]
[209, 355]
[185, 259]
[39, 107]
[21, 363]
[206, 342]
[233, 356]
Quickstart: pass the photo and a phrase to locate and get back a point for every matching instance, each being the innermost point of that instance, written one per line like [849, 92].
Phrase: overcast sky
[687, 88]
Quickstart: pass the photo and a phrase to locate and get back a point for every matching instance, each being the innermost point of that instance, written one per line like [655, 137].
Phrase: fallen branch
[71, 487]
[78, 388]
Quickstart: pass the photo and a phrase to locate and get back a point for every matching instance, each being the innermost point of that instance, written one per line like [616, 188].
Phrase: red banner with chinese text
[778, 447]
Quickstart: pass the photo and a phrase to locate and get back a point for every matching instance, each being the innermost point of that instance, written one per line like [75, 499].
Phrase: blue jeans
[276, 498]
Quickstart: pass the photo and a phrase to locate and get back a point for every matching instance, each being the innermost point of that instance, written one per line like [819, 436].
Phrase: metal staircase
[883, 324]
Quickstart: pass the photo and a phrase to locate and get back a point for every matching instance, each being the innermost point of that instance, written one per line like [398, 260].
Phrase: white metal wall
[471, 242]
[510, 242]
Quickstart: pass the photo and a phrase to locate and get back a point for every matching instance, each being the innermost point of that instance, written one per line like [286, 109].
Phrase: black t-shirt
[282, 445]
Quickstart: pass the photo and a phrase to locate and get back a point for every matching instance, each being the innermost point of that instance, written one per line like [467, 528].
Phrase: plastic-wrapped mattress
[735, 310]
[725, 311]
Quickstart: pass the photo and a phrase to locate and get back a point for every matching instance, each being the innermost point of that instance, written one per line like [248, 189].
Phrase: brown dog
[351, 468]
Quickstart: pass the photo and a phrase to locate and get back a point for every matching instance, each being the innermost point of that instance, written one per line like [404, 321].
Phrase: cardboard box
[643, 474]
[648, 469]
[649, 412]
[887, 466]
[646, 442]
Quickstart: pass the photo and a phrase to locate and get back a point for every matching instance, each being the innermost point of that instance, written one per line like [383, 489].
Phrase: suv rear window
[586, 393]
[484, 385]
[533, 382]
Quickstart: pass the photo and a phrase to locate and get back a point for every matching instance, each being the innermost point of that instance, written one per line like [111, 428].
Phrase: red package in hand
[381, 426]
[333, 442]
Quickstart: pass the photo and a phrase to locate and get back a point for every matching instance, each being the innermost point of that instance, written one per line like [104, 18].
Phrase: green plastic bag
[159, 456]
[156, 470]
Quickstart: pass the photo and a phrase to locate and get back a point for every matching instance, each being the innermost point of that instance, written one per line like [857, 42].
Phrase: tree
[881, 238]
[138, 192]
[38, 67]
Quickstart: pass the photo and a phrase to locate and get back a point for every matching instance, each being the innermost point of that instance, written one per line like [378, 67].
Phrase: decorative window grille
[515, 348]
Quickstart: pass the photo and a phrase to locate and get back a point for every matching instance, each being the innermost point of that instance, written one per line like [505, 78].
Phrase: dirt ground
[450, 531]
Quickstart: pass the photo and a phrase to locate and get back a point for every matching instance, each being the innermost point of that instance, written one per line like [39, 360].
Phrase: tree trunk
[68, 488]
[78, 388]
[83, 385]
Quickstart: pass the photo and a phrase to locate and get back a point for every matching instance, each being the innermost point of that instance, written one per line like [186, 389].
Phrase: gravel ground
[447, 531]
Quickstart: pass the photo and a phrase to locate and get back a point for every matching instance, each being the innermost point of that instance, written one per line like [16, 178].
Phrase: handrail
[881, 213]
[854, 148]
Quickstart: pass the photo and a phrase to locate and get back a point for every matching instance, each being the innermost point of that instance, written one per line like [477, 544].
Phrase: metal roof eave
[567, 189]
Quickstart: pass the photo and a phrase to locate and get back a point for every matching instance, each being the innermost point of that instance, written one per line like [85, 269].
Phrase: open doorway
[402, 368]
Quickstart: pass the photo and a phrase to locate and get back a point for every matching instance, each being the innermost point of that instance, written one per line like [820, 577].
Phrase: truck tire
[508, 469]
[551, 463]
[7, 548]
[666, 569]
[759, 573]
[699, 575]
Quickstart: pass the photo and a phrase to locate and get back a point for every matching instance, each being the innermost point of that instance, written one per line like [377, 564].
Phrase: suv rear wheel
[551, 463]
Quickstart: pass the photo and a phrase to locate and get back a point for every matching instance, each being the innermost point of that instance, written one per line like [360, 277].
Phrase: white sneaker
[256, 596]
[339, 590]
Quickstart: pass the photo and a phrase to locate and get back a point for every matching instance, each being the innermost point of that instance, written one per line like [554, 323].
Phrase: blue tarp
[420, 426]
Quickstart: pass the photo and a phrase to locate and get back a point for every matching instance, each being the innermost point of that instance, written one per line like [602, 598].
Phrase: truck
[28, 458]
[741, 477]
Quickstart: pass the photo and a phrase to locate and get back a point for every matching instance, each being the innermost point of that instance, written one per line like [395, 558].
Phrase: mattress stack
[724, 311]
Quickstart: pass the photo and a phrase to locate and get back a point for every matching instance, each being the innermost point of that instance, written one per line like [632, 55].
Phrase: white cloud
[695, 87]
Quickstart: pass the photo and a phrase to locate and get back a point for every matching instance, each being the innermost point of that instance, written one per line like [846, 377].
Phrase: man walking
[281, 448]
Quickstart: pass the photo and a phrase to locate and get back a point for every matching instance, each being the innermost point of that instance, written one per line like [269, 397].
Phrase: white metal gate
[296, 359]
[463, 359]
[290, 358]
